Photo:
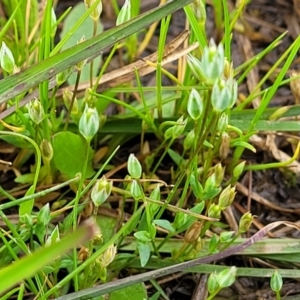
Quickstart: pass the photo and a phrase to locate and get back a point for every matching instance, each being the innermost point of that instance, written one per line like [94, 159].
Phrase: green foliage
[83, 30]
[69, 154]
[196, 122]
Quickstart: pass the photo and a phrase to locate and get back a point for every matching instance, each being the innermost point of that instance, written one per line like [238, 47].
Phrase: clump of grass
[66, 142]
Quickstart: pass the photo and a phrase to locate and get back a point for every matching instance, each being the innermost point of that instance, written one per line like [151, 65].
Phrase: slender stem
[73, 99]
[75, 209]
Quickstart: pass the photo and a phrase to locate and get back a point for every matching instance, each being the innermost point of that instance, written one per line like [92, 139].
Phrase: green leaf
[44, 216]
[40, 232]
[85, 29]
[164, 224]
[178, 160]
[26, 207]
[144, 252]
[143, 236]
[69, 154]
[107, 226]
[29, 178]
[243, 144]
[184, 221]
[137, 291]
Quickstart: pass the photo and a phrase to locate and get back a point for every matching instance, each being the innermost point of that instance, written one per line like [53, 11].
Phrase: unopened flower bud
[89, 123]
[125, 13]
[224, 94]
[212, 283]
[7, 61]
[214, 211]
[136, 190]
[226, 197]
[226, 277]
[101, 191]
[226, 236]
[195, 105]
[276, 281]
[36, 111]
[225, 145]
[178, 129]
[192, 234]
[46, 150]
[189, 140]
[245, 222]
[134, 167]
[223, 122]
[219, 173]
[238, 170]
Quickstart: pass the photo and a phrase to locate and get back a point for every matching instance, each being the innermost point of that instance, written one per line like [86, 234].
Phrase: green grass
[66, 148]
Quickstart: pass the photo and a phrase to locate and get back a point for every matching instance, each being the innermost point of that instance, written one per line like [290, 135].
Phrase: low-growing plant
[56, 98]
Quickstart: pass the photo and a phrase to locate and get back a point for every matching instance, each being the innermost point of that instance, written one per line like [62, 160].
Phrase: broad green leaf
[137, 292]
[69, 154]
[84, 30]
[144, 252]
[107, 226]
